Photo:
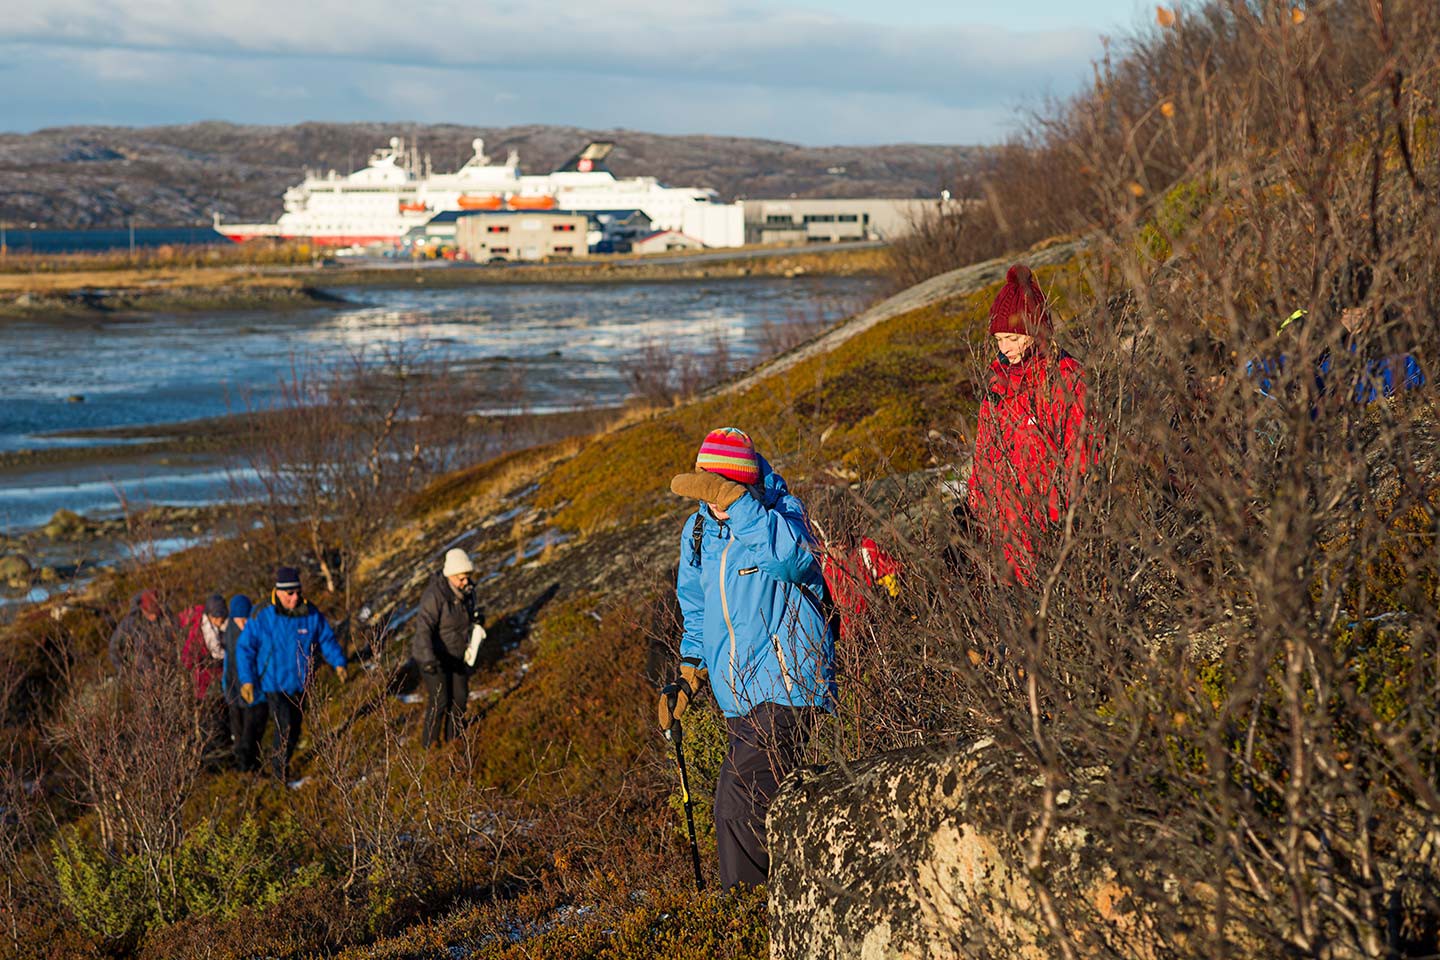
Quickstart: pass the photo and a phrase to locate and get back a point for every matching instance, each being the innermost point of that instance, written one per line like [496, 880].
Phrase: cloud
[65, 87]
[709, 41]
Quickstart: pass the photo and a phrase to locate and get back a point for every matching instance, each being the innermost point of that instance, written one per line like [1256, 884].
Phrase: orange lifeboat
[532, 203]
[469, 201]
[415, 207]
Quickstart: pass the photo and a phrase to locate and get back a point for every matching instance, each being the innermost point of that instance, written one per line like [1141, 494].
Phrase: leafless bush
[23, 881]
[661, 375]
[414, 826]
[801, 325]
[132, 750]
[1221, 668]
[343, 442]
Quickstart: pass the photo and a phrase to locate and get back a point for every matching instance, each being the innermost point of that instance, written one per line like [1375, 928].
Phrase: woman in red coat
[1030, 445]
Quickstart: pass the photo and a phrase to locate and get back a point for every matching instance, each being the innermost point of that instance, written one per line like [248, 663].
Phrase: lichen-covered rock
[916, 854]
[65, 525]
[15, 571]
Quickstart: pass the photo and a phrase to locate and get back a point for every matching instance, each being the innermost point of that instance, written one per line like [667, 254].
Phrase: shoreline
[71, 541]
[88, 294]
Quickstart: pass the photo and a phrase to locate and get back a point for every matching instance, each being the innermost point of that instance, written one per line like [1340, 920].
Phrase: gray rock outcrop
[917, 854]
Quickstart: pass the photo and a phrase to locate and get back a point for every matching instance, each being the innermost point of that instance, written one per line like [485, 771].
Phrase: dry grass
[147, 280]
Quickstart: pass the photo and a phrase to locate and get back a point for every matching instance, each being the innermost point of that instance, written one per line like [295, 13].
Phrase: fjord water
[522, 347]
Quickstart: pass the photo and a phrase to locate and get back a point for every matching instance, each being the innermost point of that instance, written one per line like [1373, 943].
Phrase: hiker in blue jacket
[757, 627]
[275, 653]
[1375, 372]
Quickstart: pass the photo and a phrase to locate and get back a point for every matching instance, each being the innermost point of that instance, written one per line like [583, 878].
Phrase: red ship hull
[332, 241]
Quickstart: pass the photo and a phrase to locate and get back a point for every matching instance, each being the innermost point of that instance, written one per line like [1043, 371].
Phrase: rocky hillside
[551, 830]
[102, 176]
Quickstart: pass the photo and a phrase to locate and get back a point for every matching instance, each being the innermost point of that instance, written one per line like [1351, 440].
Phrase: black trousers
[288, 711]
[447, 691]
[766, 745]
[247, 726]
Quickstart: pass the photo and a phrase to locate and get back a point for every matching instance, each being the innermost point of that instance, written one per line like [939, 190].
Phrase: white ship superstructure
[397, 192]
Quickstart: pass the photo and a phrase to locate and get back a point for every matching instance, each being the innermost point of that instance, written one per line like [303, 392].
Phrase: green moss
[582, 713]
[705, 745]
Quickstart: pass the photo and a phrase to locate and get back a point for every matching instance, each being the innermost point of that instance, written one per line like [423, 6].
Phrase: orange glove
[706, 486]
[675, 698]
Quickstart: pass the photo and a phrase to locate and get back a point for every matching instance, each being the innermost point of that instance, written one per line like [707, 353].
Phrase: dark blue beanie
[239, 605]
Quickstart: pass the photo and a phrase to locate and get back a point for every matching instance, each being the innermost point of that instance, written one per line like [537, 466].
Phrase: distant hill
[102, 176]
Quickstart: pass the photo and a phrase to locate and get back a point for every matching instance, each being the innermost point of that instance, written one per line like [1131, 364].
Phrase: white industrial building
[829, 220]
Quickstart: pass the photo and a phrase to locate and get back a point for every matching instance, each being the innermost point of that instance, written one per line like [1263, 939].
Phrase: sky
[806, 71]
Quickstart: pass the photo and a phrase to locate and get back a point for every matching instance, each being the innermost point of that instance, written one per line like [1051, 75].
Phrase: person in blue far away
[275, 653]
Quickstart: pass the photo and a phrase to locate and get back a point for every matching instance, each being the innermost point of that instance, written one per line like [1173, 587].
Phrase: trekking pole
[675, 735]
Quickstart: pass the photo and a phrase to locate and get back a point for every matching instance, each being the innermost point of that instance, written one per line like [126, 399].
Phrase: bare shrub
[343, 442]
[24, 883]
[414, 826]
[1221, 669]
[132, 750]
[661, 375]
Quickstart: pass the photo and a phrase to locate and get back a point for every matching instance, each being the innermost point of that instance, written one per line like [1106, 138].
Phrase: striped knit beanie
[1020, 305]
[730, 453]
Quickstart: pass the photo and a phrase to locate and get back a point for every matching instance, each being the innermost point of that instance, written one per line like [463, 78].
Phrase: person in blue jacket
[757, 628]
[1376, 373]
[1383, 374]
[247, 721]
[275, 653]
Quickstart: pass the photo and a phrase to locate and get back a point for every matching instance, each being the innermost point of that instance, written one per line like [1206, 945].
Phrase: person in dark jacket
[145, 639]
[751, 593]
[275, 654]
[443, 624]
[247, 721]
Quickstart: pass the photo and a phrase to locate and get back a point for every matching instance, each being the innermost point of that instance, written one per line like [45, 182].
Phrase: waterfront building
[666, 241]
[830, 220]
[513, 235]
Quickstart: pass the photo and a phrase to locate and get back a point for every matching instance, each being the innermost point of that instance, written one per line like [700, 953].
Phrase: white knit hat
[457, 561]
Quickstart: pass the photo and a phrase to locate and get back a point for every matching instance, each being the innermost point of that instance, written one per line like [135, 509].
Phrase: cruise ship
[397, 191]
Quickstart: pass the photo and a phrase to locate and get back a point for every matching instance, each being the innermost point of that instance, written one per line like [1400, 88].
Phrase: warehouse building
[489, 237]
[800, 220]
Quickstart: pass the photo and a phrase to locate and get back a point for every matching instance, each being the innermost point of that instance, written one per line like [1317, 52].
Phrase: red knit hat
[1020, 306]
[730, 453]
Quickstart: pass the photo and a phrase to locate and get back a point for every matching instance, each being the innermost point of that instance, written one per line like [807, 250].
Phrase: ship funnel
[591, 159]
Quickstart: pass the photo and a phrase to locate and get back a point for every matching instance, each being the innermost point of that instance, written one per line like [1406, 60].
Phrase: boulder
[918, 854]
[65, 525]
[15, 571]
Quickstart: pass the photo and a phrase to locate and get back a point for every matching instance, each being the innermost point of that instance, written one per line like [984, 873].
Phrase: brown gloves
[247, 692]
[676, 697]
[706, 486]
[342, 673]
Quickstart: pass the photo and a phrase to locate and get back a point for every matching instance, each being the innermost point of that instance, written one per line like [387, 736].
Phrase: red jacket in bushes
[850, 574]
[1030, 448]
[198, 654]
